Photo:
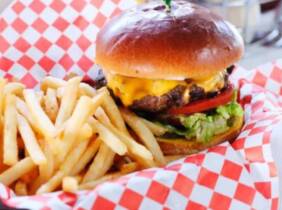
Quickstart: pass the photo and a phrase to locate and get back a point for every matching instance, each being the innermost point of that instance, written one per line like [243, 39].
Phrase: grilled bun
[183, 146]
[148, 41]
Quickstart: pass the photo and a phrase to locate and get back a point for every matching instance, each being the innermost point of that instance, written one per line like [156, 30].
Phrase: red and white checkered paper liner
[54, 37]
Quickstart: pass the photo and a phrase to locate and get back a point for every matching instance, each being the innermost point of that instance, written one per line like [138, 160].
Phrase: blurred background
[259, 22]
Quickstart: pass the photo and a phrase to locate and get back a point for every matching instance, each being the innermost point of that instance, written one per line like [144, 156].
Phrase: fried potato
[30, 141]
[85, 107]
[3, 83]
[52, 82]
[156, 129]
[45, 125]
[15, 88]
[70, 184]
[24, 111]
[21, 188]
[145, 135]
[16, 171]
[113, 112]
[86, 90]
[68, 136]
[110, 139]
[86, 157]
[29, 176]
[129, 167]
[56, 83]
[92, 184]
[51, 105]
[10, 146]
[52, 184]
[171, 158]
[65, 168]
[101, 163]
[137, 151]
[74, 156]
[68, 100]
[45, 170]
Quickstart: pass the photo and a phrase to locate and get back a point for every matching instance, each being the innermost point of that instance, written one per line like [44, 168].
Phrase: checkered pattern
[238, 176]
[261, 96]
[52, 37]
[55, 37]
[220, 181]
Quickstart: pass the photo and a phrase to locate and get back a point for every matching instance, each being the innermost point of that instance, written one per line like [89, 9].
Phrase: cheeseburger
[172, 67]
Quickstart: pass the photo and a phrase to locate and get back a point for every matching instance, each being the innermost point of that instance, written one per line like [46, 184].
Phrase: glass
[244, 14]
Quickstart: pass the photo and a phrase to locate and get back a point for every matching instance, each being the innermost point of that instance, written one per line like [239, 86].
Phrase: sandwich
[171, 66]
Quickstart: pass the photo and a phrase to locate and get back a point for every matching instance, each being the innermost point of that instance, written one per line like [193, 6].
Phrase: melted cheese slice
[129, 89]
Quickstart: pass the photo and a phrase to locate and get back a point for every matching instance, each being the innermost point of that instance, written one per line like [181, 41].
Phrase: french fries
[86, 131]
[52, 183]
[136, 150]
[64, 169]
[16, 171]
[84, 109]
[87, 90]
[55, 83]
[171, 158]
[113, 112]
[109, 138]
[86, 157]
[68, 136]
[68, 100]
[29, 176]
[52, 82]
[44, 123]
[21, 188]
[145, 135]
[3, 82]
[126, 168]
[23, 110]
[129, 167]
[93, 184]
[51, 104]
[45, 170]
[70, 184]
[101, 163]
[13, 88]
[39, 95]
[74, 156]
[157, 130]
[30, 141]
[10, 156]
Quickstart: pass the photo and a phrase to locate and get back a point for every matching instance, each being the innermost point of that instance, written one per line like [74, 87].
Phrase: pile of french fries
[69, 136]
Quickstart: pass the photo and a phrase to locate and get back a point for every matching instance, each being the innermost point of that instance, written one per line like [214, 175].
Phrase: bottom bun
[184, 146]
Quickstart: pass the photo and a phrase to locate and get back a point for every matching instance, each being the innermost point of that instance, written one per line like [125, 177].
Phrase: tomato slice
[205, 104]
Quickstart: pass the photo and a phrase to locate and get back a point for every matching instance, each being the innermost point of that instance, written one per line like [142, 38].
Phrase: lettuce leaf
[204, 126]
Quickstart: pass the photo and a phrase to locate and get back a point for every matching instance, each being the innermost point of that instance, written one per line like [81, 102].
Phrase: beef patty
[159, 103]
[174, 97]
[156, 104]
